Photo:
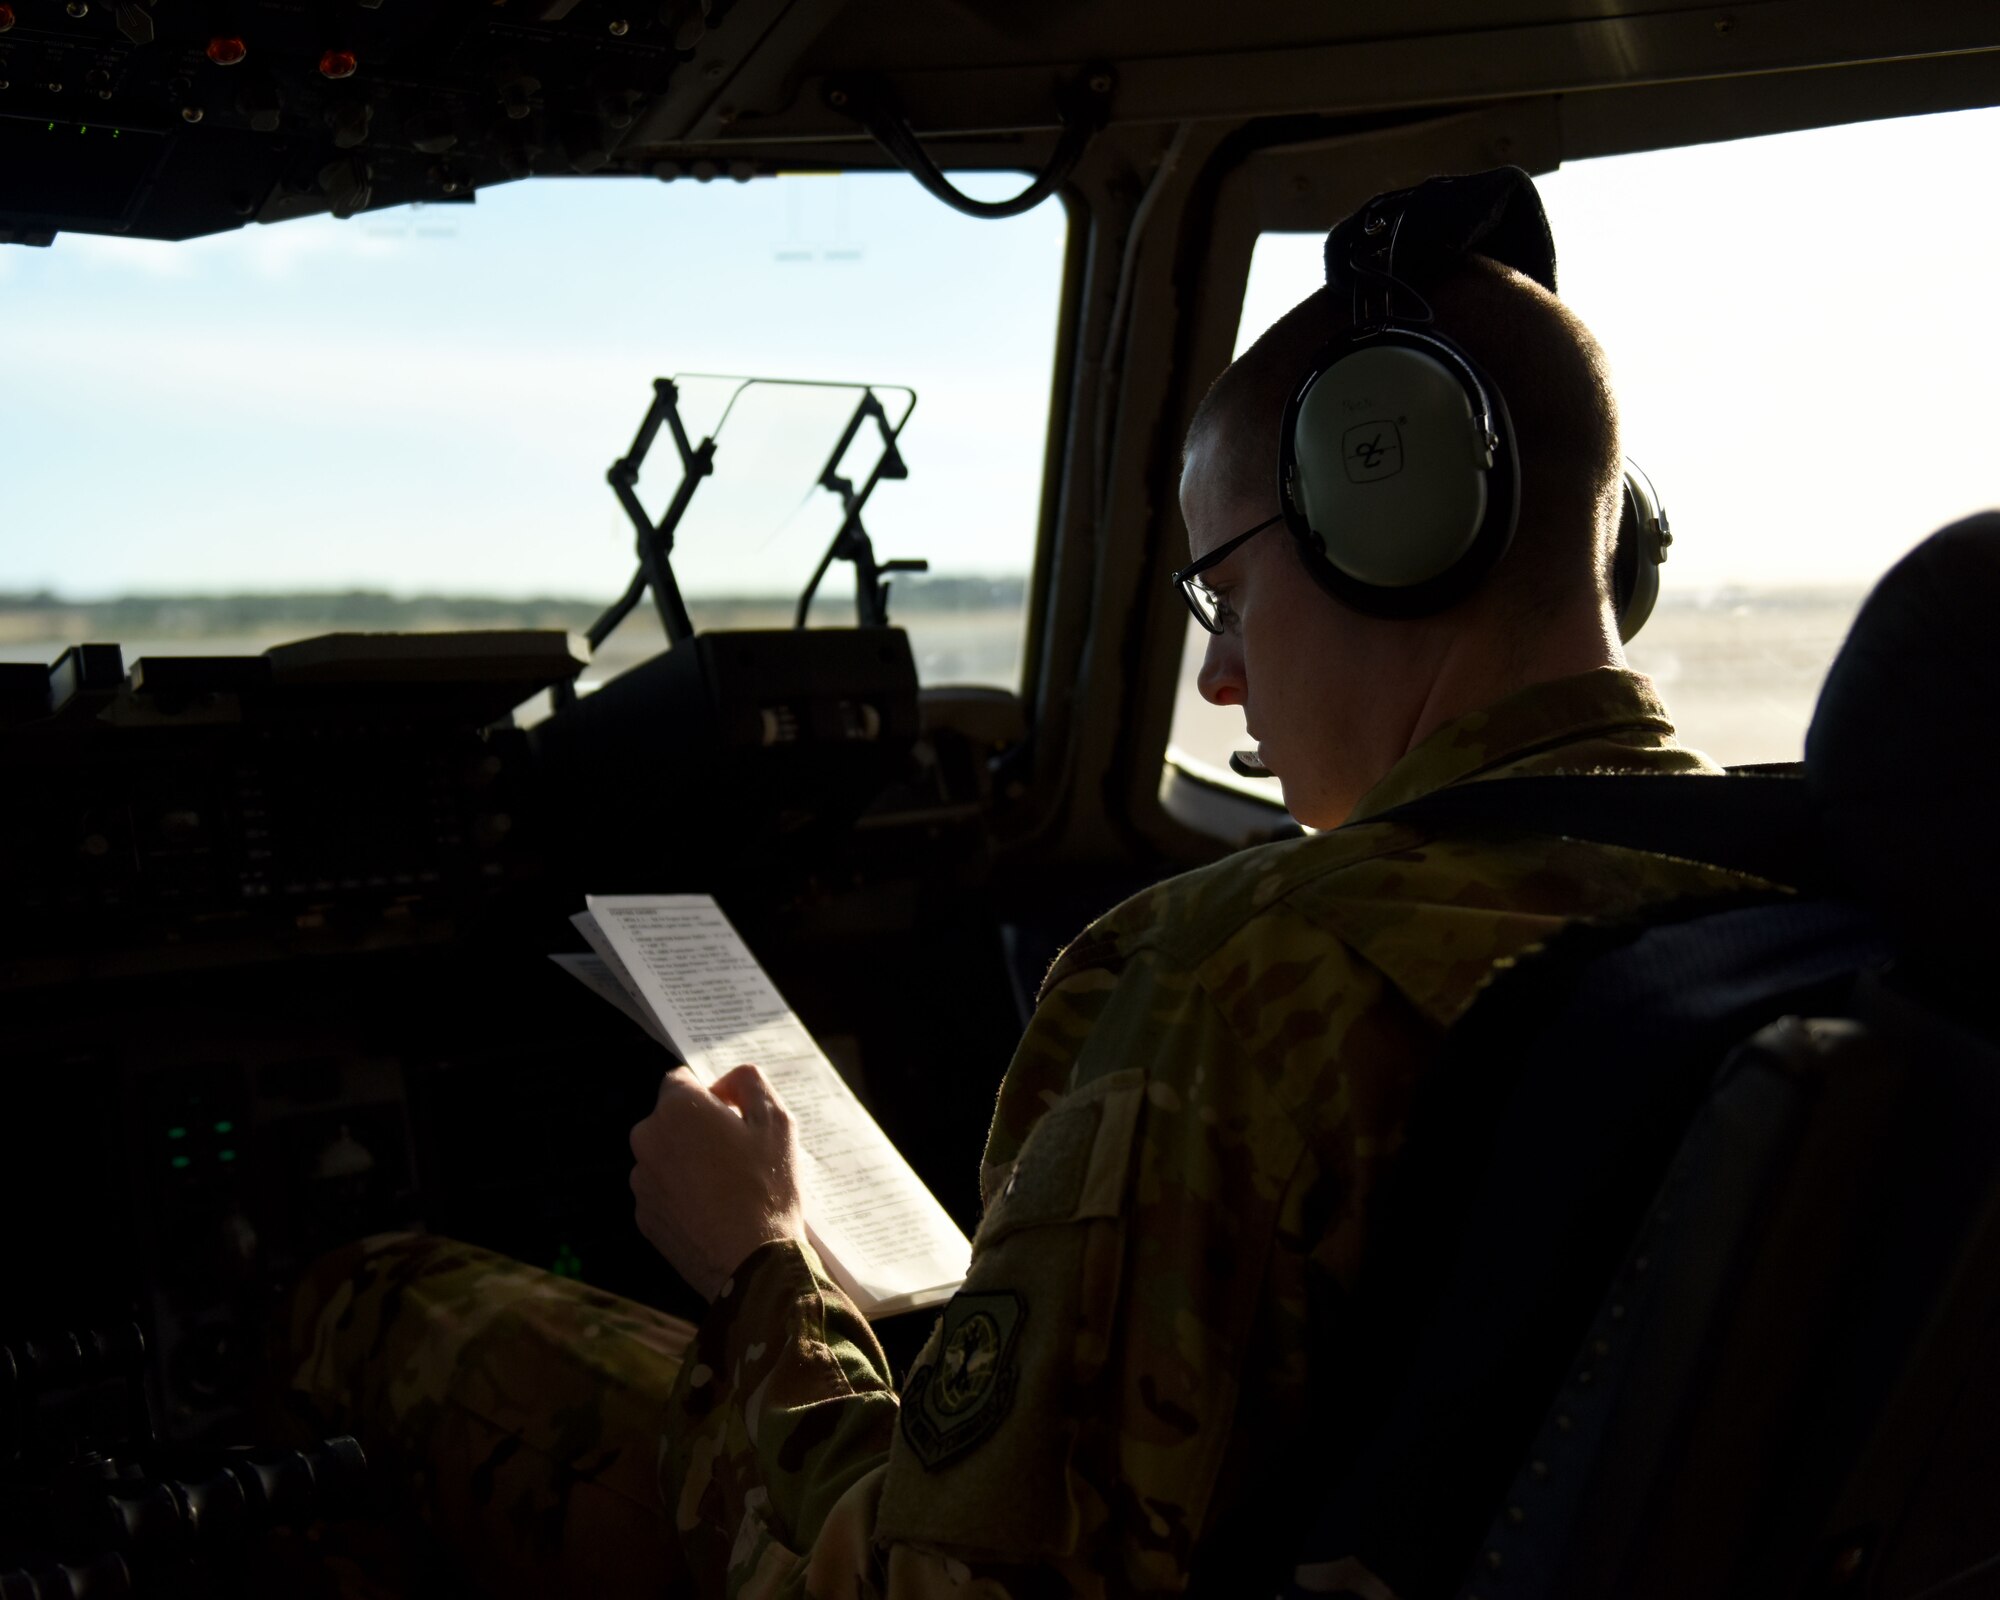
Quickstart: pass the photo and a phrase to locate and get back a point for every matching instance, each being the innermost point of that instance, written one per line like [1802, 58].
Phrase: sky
[1802, 328]
[427, 400]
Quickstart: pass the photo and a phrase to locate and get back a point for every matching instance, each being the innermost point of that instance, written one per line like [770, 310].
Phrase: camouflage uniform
[1177, 1194]
[517, 1413]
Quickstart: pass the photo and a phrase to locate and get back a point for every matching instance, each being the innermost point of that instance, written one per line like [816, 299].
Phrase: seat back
[1788, 1388]
[1531, 1158]
[1778, 1383]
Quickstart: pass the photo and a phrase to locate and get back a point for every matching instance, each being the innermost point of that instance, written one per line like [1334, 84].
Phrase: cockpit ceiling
[147, 117]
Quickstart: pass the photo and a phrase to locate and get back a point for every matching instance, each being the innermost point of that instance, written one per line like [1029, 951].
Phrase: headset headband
[1411, 238]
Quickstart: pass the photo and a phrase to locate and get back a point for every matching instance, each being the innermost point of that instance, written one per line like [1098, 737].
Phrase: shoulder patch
[955, 1401]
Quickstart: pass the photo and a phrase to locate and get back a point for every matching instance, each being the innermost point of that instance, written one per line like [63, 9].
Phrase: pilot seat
[1690, 1279]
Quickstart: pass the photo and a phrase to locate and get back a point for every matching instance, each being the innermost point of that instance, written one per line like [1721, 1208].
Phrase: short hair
[1535, 351]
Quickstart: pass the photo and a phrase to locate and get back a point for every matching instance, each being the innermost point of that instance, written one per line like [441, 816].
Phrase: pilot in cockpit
[1400, 504]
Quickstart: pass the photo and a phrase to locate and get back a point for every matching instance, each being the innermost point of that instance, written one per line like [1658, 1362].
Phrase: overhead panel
[1234, 63]
[156, 118]
[162, 119]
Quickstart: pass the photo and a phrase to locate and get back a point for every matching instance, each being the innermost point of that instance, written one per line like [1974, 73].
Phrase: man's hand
[716, 1174]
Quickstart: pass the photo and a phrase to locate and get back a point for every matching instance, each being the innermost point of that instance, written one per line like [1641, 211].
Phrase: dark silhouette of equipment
[351, 788]
[1082, 106]
[656, 539]
[92, 1507]
[1649, 1328]
[851, 543]
[656, 536]
[761, 744]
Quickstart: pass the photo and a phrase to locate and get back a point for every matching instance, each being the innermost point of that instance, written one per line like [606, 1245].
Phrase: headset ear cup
[1397, 473]
[1643, 538]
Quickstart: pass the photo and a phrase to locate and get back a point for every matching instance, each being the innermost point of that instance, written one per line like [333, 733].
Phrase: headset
[1643, 538]
[1398, 473]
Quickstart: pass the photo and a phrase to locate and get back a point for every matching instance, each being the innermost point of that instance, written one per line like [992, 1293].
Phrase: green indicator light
[177, 1133]
[225, 1127]
[180, 1162]
[225, 1155]
[567, 1263]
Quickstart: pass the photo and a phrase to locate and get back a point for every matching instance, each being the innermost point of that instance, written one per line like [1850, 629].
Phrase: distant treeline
[43, 616]
[194, 615]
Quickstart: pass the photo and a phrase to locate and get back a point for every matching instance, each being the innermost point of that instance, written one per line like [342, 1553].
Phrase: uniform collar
[1538, 721]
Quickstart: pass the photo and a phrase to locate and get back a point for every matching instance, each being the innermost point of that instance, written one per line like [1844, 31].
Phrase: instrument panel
[275, 956]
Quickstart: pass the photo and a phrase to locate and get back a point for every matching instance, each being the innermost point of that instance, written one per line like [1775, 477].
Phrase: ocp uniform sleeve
[1126, 1266]
[779, 1448]
[782, 1404]
[1065, 1429]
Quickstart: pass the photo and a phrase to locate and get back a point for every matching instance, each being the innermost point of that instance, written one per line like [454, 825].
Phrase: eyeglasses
[1202, 600]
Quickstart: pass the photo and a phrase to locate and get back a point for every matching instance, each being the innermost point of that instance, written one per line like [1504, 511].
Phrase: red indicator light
[6, 18]
[227, 52]
[338, 64]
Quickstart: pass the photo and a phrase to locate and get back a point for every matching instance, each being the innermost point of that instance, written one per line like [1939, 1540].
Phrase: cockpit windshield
[404, 420]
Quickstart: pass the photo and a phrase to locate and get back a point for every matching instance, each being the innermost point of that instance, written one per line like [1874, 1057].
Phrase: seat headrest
[1903, 755]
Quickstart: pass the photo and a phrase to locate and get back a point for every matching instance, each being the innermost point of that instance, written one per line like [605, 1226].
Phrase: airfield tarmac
[1740, 668]
[1740, 672]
